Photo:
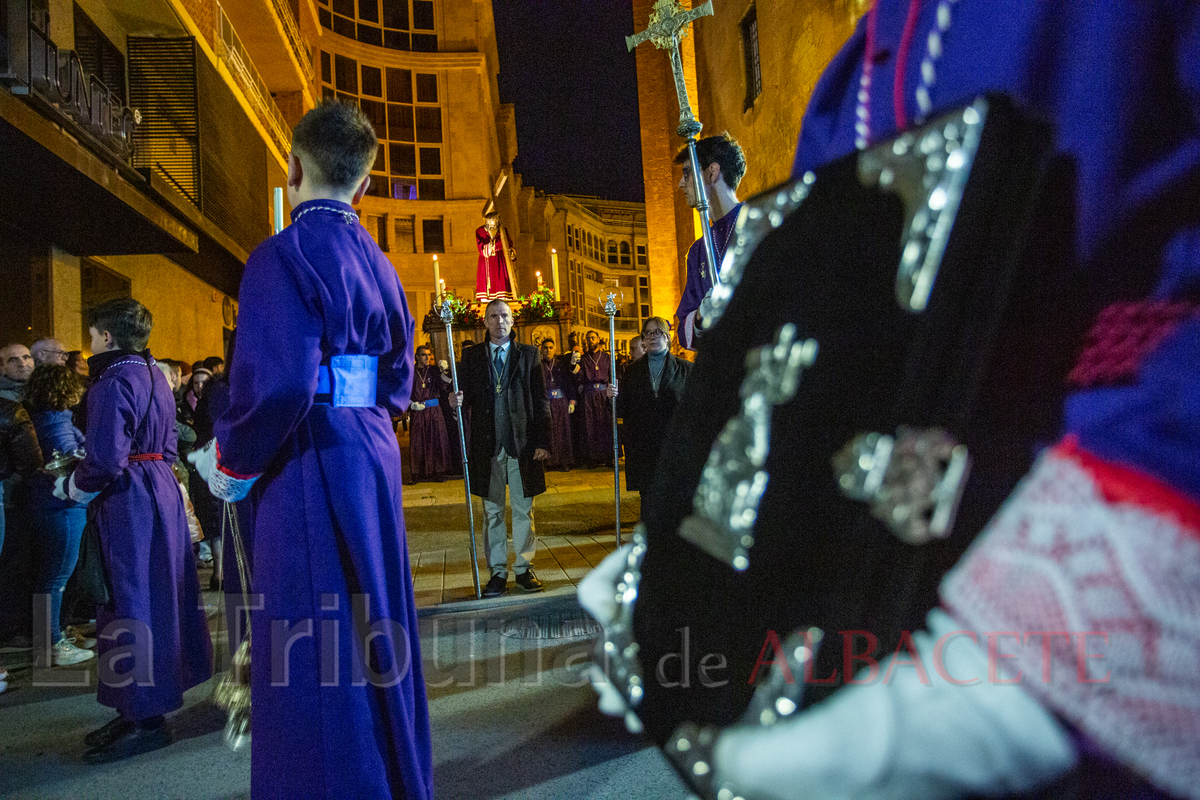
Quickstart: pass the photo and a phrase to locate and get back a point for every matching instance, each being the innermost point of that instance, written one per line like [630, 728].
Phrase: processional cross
[668, 26]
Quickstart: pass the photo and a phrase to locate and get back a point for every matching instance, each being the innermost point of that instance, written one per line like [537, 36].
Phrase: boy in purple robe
[595, 397]
[430, 440]
[560, 391]
[339, 706]
[153, 642]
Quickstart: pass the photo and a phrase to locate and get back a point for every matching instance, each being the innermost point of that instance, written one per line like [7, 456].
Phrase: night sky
[565, 67]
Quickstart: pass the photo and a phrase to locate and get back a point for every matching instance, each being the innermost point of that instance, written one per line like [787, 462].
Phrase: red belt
[146, 457]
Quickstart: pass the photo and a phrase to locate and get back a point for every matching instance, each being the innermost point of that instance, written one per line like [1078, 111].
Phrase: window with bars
[394, 24]
[405, 108]
[97, 54]
[750, 48]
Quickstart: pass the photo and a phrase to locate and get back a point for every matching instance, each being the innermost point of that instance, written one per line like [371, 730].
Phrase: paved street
[512, 716]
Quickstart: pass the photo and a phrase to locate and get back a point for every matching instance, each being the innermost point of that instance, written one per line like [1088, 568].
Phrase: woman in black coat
[651, 389]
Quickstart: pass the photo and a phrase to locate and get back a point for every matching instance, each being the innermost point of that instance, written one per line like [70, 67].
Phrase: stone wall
[797, 38]
[796, 41]
[670, 224]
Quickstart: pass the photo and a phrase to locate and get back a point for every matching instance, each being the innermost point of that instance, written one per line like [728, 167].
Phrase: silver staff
[448, 319]
[669, 23]
[610, 308]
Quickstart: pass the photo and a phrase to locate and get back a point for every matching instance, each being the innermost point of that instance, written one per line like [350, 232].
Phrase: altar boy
[339, 706]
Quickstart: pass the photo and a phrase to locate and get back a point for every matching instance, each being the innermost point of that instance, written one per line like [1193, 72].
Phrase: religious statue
[494, 279]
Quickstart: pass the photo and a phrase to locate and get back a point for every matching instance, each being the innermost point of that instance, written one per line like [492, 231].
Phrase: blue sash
[348, 382]
[555, 394]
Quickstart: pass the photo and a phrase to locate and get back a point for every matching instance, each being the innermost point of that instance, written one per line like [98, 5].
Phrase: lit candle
[554, 272]
[438, 286]
[441, 287]
[278, 209]
[539, 277]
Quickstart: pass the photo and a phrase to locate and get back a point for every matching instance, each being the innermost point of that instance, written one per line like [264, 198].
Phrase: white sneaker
[75, 637]
[65, 653]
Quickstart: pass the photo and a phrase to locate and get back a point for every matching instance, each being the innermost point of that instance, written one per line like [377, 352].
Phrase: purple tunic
[144, 539]
[560, 391]
[596, 440]
[699, 278]
[1120, 80]
[330, 556]
[430, 453]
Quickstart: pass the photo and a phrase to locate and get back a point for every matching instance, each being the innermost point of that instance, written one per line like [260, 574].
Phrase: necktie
[498, 364]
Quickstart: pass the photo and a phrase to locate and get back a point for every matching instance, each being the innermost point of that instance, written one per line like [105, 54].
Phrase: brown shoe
[528, 581]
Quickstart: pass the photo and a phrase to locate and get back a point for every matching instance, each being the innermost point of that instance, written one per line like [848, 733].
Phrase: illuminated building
[750, 69]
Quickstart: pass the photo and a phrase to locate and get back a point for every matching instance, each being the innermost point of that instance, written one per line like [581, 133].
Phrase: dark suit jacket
[529, 414]
[646, 418]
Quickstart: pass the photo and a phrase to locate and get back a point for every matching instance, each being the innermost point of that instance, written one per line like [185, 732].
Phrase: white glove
[706, 310]
[416, 405]
[598, 596]
[68, 491]
[223, 485]
[903, 738]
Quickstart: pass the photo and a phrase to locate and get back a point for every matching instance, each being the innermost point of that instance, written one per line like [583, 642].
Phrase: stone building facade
[426, 74]
[142, 142]
[603, 243]
[750, 68]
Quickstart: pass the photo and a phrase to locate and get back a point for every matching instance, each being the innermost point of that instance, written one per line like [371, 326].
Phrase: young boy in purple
[339, 706]
[152, 642]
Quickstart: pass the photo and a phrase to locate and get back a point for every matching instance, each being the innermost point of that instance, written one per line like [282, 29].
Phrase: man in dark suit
[502, 386]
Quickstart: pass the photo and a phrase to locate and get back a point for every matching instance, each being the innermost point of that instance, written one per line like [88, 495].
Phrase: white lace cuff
[77, 495]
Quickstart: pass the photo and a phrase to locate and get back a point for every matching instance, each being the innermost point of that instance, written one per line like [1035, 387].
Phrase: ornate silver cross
[733, 481]
[913, 481]
[668, 26]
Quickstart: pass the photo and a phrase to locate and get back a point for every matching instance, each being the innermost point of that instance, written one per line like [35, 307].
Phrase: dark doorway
[99, 284]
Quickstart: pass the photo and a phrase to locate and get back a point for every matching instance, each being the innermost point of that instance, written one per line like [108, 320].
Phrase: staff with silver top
[447, 315]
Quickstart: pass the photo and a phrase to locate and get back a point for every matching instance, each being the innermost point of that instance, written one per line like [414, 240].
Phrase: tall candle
[437, 277]
[554, 272]
[539, 277]
[278, 209]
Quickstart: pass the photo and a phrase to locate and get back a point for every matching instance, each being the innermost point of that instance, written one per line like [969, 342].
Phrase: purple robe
[1120, 81]
[430, 453]
[330, 555]
[699, 277]
[144, 539]
[561, 392]
[596, 438]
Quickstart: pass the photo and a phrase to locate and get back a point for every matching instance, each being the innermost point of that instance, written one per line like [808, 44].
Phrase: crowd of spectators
[43, 416]
[581, 433]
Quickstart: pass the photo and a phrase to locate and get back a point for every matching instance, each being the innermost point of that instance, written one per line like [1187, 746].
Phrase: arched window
[612, 251]
[625, 255]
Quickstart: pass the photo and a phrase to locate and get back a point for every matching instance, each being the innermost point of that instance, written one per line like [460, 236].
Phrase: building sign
[55, 79]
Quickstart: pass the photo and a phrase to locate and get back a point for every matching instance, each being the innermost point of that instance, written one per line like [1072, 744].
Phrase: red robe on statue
[493, 280]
